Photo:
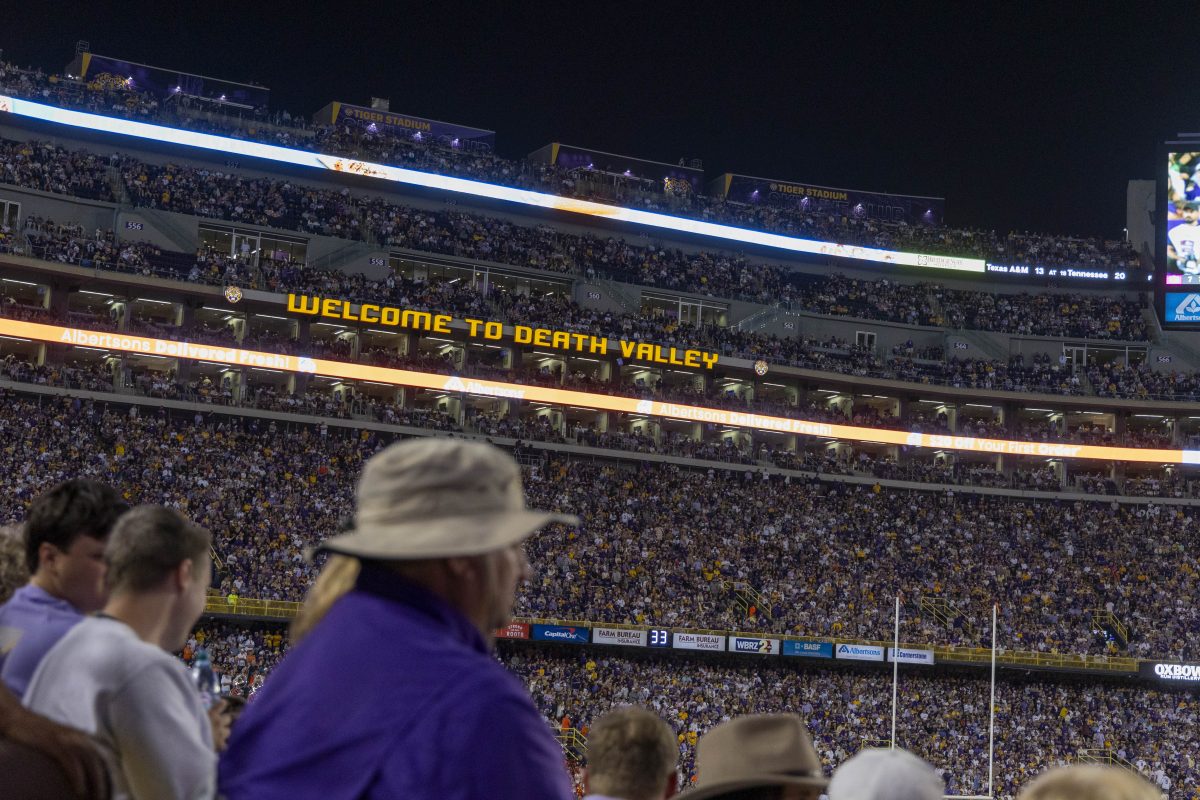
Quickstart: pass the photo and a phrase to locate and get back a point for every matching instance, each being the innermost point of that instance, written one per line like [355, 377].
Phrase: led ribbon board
[270, 152]
[602, 402]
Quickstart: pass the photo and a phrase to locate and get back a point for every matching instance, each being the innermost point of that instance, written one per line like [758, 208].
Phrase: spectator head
[877, 774]
[65, 531]
[13, 571]
[631, 755]
[451, 516]
[158, 559]
[758, 757]
[1090, 782]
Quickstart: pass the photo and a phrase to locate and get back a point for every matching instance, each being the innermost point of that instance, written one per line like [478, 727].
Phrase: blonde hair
[631, 753]
[336, 578]
[13, 572]
[1090, 782]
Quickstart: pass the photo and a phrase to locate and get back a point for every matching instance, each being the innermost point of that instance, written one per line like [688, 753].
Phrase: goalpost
[991, 707]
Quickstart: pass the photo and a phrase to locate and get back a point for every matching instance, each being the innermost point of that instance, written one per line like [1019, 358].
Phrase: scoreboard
[1177, 285]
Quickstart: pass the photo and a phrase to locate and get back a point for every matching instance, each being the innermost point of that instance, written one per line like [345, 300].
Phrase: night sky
[1022, 119]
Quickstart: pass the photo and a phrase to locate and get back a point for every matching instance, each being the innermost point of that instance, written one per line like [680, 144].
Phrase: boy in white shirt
[113, 675]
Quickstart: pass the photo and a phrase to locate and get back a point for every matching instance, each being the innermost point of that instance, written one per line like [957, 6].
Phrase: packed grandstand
[761, 446]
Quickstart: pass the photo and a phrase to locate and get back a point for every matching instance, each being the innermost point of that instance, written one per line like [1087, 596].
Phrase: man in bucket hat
[758, 757]
[395, 693]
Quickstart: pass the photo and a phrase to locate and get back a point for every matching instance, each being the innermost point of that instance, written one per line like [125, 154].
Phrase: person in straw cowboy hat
[758, 757]
[394, 692]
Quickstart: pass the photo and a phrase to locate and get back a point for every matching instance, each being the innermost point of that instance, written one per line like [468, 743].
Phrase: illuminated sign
[808, 649]
[659, 637]
[698, 641]
[623, 637]
[859, 652]
[1176, 672]
[390, 316]
[602, 402]
[559, 633]
[906, 655]
[287, 155]
[756, 646]
[513, 630]
[1183, 307]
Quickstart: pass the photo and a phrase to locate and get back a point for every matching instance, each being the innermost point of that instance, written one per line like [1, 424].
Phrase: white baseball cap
[878, 774]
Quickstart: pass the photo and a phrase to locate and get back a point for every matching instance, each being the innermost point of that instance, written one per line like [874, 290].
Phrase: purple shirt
[31, 622]
[393, 694]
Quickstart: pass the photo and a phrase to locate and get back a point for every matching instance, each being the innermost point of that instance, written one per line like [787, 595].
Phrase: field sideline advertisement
[287, 155]
[131, 343]
[625, 637]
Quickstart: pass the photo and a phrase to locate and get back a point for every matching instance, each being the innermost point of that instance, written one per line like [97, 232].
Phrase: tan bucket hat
[756, 750]
[436, 498]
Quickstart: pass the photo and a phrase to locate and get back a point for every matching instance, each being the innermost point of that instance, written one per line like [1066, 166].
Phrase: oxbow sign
[1176, 673]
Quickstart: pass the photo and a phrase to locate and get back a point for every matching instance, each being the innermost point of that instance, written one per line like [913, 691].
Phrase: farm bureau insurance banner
[453, 383]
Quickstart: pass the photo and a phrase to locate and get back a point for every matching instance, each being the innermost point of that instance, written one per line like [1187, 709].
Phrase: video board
[1178, 284]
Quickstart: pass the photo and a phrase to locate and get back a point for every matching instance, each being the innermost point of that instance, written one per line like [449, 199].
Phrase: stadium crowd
[220, 390]
[421, 151]
[943, 718]
[70, 243]
[633, 561]
[284, 204]
[229, 506]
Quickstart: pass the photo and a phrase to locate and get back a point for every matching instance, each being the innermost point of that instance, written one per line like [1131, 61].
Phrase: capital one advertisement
[568, 634]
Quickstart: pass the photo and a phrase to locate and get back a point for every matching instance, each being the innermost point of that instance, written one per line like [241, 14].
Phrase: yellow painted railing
[249, 607]
[574, 743]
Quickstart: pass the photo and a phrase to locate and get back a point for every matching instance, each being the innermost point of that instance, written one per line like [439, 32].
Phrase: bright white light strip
[270, 152]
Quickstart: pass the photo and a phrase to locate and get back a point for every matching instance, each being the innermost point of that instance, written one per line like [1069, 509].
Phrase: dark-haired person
[39, 758]
[114, 676]
[65, 532]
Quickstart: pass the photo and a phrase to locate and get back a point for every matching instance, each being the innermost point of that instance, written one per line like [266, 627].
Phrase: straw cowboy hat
[437, 498]
[756, 750]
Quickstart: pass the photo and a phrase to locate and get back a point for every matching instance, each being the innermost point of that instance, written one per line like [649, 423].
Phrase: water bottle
[206, 679]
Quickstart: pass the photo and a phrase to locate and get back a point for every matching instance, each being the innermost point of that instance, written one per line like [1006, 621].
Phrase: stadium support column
[952, 417]
[185, 315]
[1120, 427]
[298, 381]
[185, 318]
[1004, 465]
[58, 302]
[235, 381]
